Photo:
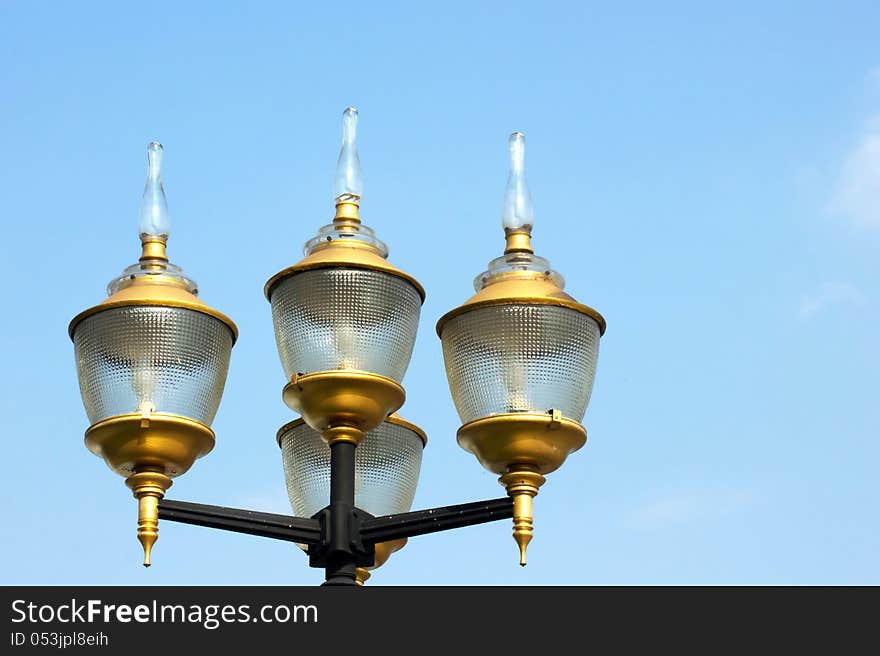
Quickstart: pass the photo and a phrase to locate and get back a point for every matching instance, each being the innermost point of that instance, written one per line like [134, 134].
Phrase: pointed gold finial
[522, 524]
[148, 524]
[522, 483]
[149, 487]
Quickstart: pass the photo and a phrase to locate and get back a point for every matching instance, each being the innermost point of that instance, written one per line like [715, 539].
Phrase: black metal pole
[341, 566]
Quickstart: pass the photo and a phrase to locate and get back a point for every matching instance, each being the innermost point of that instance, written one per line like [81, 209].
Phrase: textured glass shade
[520, 358]
[338, 318]
[387, 464]
[149, 358]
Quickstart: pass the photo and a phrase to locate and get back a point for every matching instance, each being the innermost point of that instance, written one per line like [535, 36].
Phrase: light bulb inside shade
[144, 379]
[518, 213]
[154, 219]
[348, 183]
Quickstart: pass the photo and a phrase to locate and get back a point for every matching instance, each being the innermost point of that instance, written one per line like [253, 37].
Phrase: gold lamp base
[383, 553]
[541, 441]
[337, 402]
[522, 447]
[149, 450]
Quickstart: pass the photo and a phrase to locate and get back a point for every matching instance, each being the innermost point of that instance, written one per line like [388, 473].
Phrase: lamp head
[152, 360]
[344, 311]
[520, 358]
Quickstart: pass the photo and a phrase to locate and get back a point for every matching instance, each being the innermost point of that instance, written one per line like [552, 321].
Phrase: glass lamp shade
[340, 318]
[155, 359]
[387, 464]
[520, 358]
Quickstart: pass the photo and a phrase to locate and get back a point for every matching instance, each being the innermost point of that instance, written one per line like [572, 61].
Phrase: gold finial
[361, 575]
[522, 483]
[148, 486]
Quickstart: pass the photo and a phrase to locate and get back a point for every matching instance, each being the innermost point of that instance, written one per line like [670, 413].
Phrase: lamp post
[520, 359]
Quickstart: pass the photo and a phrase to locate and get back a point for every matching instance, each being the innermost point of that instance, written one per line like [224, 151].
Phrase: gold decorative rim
[523, 300]
[313, 266]
[338, 398]
[391, 419]
[170, 441]
[400, 421]
[195, 307]
[502, 442]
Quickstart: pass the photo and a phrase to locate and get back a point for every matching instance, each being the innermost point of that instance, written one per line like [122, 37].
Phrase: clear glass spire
[518, 212]
[348, 184]
[154, 219]
[154, 224]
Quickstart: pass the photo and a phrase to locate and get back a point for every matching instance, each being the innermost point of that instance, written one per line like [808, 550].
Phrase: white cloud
[830, 293]
[857, 195]
[685, 506]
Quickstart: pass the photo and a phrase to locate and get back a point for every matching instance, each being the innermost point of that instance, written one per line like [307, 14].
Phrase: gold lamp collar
[153, 280]
[519, 277]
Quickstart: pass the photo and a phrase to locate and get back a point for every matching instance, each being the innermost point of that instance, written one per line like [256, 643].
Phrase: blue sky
[707, 178]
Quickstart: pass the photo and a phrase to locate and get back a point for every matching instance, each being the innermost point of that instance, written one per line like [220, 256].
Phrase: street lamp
[520, 359]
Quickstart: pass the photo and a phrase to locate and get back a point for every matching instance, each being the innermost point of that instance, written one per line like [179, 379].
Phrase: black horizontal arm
[420, 522]
[308, 531]
[267, 525]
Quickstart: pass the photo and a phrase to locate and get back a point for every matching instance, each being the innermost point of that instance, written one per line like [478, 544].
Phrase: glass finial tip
[518, 213]
[348, 183]
[154, 219]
